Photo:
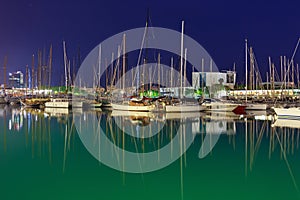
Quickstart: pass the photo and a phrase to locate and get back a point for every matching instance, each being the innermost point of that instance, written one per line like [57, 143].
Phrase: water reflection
[144, 125]
[52, 132]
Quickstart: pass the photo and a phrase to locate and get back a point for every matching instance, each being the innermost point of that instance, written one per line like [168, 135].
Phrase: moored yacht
[223, 106]
[288, 113]
[134, 104]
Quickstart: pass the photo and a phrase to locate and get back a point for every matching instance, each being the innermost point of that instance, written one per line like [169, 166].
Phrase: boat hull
[240, 109]
[57, 104]
[256, 106]
[288, 113]
[76, 104]
[184, 108]
[132, 108]
[221, 107]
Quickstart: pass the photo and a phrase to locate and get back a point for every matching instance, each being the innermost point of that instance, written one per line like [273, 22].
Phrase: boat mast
[112, 70]
[158, 73]
[281, 69]
[297, 76]
[181, 57]
[99, 66]
[202, 75]
[246, 66]
[65, 63]
[69, 73]
[289, 63]
[293, 75]
[273, 79]
[251, 78]
[106, 75]
[124, 60]
[172, 71]
[117, 75]
[143, 77]
[26, 79]
[184, 72]
[32, 73]
[39, 70]
[50, 65]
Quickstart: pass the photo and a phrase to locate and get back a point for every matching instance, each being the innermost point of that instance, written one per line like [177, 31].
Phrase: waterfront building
[16, 79]
[210, 79]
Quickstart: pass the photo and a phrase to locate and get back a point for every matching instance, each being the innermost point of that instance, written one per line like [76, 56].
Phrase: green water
[40, 160]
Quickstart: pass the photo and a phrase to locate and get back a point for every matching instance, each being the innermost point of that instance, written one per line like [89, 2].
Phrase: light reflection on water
[256, 141]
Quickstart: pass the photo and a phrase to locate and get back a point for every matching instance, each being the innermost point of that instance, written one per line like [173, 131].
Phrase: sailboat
[251, 106]
[134, 104]
[126, 106]
[34, 102]
[193, 106]
[216, 105]
[291, 112]
[288, 113]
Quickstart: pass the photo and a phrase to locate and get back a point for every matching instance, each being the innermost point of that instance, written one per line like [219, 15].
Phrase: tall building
[16, 79]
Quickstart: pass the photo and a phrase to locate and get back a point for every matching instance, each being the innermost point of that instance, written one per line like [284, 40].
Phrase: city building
[16, 79]
[209, 79]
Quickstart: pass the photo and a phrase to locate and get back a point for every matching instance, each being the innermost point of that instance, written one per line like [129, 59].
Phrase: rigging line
[276, 74]
[289, 64]
[140, 53]
[257, 68]
[154, 72]
[120, 48]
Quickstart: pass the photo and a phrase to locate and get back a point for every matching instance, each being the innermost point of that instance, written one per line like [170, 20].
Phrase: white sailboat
[257, 106]
[58, 103]
[127, 107]
[292, 112]
[182, 106]
[217, 105]
[63, 103]
[288, 113]
[185, 108]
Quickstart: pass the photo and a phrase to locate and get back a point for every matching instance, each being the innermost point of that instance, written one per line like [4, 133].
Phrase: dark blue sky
[272, 28]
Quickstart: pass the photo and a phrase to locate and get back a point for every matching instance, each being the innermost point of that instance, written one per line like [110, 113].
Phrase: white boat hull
[76, 104]
[132, 108]
[57, 104]
[184, 108]
[288, 113]
[254, 106]
[220, 107]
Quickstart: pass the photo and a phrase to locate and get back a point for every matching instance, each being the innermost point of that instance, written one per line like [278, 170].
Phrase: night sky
[272, 28]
